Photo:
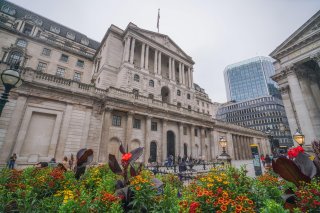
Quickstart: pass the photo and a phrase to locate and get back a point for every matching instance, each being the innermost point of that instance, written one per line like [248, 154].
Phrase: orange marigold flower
[250, 202]
[238, 207]
[223, 208]
[225, 194]
[138, 188]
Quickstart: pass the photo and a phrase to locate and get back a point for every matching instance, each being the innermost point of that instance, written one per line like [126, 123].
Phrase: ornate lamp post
[270, 137]
[11, 78]
[224, 157]
[298, 137]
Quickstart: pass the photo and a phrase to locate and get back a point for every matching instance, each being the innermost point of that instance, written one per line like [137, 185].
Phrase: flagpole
[158, 20]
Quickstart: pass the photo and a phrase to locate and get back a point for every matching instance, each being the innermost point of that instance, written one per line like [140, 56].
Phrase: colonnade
[177, 70]
[301, 98]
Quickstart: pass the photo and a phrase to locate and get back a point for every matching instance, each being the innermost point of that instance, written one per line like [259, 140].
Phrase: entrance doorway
[153, 152]
[170, 144]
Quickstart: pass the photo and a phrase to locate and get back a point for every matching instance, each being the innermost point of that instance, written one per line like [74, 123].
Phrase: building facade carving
[98, 95]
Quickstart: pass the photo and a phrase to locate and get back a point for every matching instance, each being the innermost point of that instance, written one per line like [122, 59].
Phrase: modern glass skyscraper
[250, 79]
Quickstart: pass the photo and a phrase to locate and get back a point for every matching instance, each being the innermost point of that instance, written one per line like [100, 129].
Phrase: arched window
[15, 58]
[151, 83]
[21, 43]
[136, 78]
[188, 96]
[178, 92]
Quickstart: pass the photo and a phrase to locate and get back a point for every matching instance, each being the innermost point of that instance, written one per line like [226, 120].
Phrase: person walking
[268, 162]
[262, 158]
[12, 161]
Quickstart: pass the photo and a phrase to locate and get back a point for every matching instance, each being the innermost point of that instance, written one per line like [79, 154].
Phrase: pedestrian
[65, 162]
[12, 161]
[268, 162]
[71, 161]
[262, 158]
[52, 162]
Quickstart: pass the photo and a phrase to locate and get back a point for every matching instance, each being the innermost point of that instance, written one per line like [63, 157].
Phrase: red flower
[294, 152]
[126, 157]
[193, 207]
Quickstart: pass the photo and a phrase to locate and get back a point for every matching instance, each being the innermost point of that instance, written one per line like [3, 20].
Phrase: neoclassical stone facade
[298, 75]
[135, 87]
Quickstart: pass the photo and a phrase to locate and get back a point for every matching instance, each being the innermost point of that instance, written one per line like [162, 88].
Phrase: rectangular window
[64, 58]
[154, 126]
[27, 29]
[116, 120]
[46, 52]
[80, 63]
[196, 132]
[136, 124]
[77, 76]
[185, 130]
[60, 72]
[42, 67]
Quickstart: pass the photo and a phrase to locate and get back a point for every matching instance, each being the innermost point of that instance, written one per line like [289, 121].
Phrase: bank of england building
[135, 87]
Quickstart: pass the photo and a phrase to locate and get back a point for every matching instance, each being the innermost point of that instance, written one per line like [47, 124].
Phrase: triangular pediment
[306, 31]
[163, 40]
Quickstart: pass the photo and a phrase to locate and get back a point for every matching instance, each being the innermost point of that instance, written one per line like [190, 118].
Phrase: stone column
[132, 50]
[180, 72]
[301, 108]
[305, 81]
[104, 141]
[212, 145]
[202, 142]
[180, 139]
[173, 70]
[142, 56]
[235, 151]
[288, 106]
[248, 151]
[170, 72]
[230, 145]
[126, 49]
[192, 141]
[159, 64]
[183, 75]
[216, 139]
[164, 140]
[315, 92]
[189, 77]
[147, 58]
[155, 62]
[128, 130]
[147, 139]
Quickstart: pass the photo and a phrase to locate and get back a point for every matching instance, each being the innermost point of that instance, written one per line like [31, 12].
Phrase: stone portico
[298, 75]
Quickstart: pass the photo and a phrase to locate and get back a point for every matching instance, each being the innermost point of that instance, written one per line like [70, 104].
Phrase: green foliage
[271, 206]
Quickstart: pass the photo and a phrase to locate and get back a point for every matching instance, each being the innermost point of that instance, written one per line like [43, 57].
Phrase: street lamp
[224, 157]
[270, 137]
[11, 78]
[298, 137]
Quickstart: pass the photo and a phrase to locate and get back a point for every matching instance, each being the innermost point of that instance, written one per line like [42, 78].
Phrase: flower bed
[53, 190]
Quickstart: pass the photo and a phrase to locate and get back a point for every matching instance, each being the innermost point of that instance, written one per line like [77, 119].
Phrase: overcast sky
[215, 33]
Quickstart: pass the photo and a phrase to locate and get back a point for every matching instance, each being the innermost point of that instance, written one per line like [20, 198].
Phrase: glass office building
[250, 79]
